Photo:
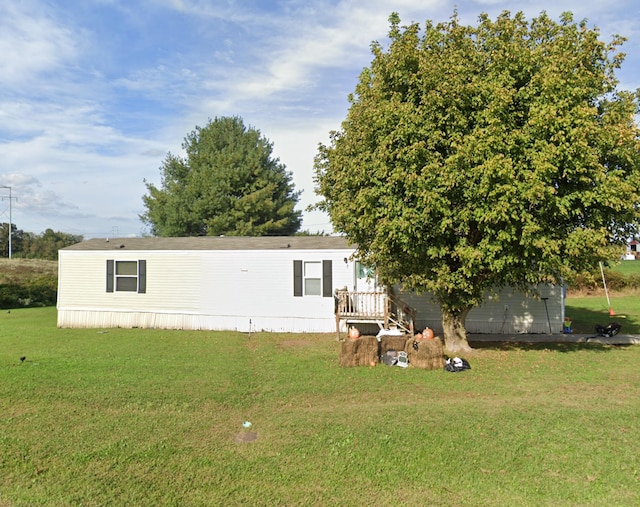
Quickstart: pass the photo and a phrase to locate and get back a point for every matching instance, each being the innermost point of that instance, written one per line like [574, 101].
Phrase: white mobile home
[248, 284]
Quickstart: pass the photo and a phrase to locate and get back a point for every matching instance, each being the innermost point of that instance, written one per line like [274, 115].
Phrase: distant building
[633, 250]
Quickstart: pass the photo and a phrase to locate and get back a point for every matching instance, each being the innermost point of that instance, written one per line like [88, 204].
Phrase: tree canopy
[474, 157]
[28, 245]
[228, 184]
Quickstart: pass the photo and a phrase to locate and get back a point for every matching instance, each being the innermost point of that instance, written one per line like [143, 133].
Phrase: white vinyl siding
[81, 282]
[252, 290]
[203, 289]
[508, 312]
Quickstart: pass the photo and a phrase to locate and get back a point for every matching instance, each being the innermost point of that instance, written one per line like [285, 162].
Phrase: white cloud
[31, 43]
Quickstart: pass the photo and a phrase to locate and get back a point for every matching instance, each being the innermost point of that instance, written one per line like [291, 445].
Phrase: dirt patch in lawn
[245, 437]
[288, 344]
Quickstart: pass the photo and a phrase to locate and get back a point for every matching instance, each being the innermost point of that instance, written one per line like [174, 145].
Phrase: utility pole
[10, 224]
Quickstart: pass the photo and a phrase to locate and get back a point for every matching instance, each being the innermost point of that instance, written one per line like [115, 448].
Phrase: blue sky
[94, 93]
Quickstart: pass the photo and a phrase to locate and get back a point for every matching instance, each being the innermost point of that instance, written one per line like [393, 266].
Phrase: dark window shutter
[142, 276]
[297, 278]
[327, 279]
[110, 268]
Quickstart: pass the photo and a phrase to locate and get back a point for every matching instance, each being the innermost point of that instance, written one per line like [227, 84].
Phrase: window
[127, 276]
[364, 271]
[312, 278]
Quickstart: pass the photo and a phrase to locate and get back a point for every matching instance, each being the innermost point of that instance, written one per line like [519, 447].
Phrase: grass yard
[587, 311]
[138, 417]
[627, 267]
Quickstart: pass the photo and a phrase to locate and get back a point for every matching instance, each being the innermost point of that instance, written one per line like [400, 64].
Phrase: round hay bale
[429, 356]
[359, 352]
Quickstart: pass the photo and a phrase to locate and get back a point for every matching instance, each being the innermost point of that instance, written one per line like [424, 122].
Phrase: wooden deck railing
[373, 308]
[362, 305]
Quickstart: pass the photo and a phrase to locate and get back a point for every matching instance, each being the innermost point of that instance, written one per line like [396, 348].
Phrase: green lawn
[130, 417]
[627, 267]
[587, 311]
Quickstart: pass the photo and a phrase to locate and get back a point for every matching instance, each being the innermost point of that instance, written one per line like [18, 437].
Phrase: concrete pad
[619, 339]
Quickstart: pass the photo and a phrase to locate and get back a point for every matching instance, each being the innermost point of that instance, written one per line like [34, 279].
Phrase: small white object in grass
[246, 424]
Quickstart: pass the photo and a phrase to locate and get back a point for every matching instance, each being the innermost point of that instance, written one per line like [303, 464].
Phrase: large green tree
[228, 183]
[473, 157]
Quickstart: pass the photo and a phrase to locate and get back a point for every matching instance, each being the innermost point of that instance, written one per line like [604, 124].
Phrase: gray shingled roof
[215, 243]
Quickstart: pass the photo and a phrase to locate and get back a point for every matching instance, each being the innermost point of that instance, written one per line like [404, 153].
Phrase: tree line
[27, 245]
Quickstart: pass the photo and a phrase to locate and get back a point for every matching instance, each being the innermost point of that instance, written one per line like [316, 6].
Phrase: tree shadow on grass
[584, 320]
[564, 347]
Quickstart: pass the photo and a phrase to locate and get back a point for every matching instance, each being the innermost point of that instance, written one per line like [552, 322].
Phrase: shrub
[28, 283]
[616, 281]
[584, 282]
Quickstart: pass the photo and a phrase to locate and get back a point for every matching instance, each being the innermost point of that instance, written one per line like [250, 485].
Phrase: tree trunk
[455, 334]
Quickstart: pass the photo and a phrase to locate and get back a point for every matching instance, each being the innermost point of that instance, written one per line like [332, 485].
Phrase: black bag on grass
[608, 331]
[456, 364]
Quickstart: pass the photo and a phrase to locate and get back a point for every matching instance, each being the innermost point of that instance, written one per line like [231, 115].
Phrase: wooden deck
[381, 308]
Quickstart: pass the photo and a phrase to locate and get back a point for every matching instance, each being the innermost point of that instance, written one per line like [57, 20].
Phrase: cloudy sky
[94, 93]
